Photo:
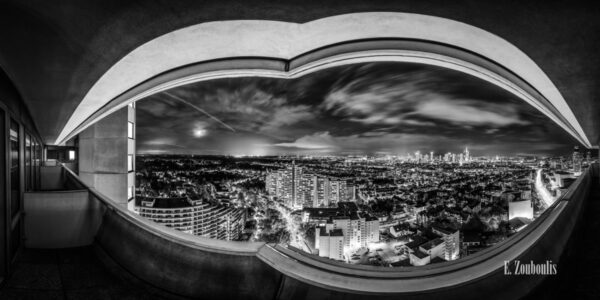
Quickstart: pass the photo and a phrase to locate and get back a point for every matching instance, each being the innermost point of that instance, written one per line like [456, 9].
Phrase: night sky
[376, 108]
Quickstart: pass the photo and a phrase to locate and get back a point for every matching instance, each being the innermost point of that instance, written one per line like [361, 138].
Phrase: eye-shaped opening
[376, 164]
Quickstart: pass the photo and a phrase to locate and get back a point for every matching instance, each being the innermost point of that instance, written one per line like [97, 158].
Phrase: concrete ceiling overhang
[56, 52]
[286, 41]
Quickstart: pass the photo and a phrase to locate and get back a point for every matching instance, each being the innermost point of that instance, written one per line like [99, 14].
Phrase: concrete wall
[103, 149]
[61, 219]
[183, 269]
[52, 178]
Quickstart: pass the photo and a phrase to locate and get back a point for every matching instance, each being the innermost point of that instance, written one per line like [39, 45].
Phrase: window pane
[36, 157]
[3, 196]
[15, 182]
[129, 163]
[27, 162]
[33, 165]
[130, 130]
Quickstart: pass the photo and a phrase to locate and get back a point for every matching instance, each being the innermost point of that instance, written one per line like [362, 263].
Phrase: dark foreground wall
[13, 111]
[12, 102]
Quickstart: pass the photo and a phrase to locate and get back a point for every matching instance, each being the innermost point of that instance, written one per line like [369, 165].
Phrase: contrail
[172, 145]
[199, 109]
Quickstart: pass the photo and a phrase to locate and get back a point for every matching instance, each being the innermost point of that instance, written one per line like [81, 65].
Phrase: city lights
[386, 210]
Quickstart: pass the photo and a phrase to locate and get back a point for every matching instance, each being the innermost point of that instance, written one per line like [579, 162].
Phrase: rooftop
[444, 228]
[417, 241]
[162, 202]
[336, 232]
[420, 254]
[432, 244]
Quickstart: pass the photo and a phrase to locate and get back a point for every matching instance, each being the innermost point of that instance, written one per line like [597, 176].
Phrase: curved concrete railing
[179, 263]
[382, 49]
[197, 267]
[285, 41]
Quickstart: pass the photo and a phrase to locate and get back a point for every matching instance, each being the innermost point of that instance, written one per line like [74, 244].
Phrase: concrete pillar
[131, 154]
[107, 156]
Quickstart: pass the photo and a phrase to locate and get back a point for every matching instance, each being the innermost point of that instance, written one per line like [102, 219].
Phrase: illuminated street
[543, 193]
[296, 237]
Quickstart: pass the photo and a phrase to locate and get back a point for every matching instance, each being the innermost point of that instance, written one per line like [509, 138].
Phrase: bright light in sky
[199, 132]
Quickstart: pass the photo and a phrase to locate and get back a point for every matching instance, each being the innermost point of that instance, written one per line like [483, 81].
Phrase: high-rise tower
[577, 158]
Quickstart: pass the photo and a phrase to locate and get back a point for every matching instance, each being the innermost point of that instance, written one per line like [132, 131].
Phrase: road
[541, 190]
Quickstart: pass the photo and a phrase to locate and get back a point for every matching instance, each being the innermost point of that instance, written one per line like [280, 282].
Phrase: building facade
[300, 189]
[451, 238]
[193, 216]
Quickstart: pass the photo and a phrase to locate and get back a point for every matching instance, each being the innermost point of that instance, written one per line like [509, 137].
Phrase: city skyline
[364, 109]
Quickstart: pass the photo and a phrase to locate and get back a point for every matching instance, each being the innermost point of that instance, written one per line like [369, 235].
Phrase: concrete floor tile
[35, 276]
[24, 294]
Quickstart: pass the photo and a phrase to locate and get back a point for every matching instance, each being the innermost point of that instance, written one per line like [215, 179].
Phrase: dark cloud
[369, 108]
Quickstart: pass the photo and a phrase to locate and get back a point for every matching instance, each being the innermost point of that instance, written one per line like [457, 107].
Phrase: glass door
[28, 168]
[15, 189]
[4, 194]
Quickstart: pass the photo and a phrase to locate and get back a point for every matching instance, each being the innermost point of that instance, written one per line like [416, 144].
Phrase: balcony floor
[74, 273]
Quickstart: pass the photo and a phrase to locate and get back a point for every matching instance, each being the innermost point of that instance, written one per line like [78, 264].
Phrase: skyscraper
[577, 158]
[588, 157]
[285, 185]
[350, 191]
[297, 188]
[306, 189]
[271, 183]
[321, 192]
[337, 191]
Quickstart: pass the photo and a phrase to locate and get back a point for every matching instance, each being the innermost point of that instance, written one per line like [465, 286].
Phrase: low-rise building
[523, 209]
[330, 243]
[451, 238]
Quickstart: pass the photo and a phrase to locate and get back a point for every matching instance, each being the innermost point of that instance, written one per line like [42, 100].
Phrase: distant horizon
[335, 155]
